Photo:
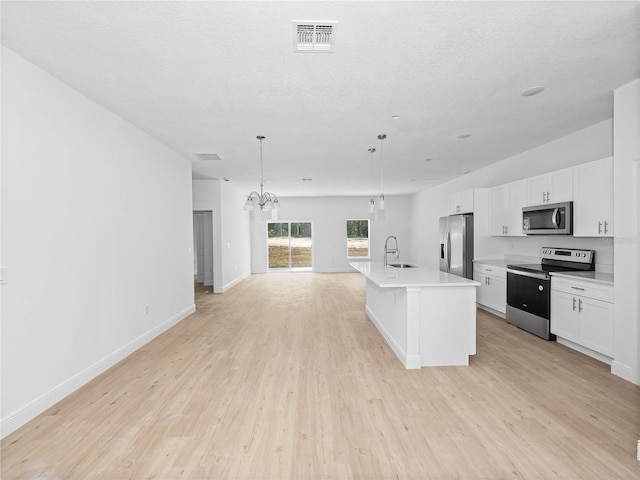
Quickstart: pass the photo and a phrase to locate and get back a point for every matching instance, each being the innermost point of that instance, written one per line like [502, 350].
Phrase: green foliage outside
[281, 229]
[357, 228]
[279, 242]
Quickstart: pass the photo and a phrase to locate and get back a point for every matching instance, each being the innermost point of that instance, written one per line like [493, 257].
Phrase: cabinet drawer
[486, 269]
[583, 289]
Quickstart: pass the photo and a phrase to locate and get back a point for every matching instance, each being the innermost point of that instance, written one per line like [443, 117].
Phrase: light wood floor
[285, 377]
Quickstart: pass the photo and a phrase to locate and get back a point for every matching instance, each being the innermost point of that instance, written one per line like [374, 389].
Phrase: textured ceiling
[207, 77]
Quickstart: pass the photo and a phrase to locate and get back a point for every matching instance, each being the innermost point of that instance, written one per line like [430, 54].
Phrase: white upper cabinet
[505, 208]
[460, 202]
[551, 187]
[593, 199]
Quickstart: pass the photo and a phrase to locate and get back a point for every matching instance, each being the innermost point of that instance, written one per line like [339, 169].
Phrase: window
[358, 238]
[290, 246]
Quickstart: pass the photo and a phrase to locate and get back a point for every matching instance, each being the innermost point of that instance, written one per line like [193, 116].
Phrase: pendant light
[259, 202]
[380, 211]
[372, 203]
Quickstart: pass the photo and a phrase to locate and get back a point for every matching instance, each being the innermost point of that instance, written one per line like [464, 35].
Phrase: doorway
[290, 246]
[203, 247]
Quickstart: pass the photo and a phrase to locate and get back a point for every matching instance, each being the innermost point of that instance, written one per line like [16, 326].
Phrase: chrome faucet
[388, 250]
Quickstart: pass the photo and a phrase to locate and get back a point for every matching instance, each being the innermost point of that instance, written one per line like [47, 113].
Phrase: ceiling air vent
[207, 157]
[316, 37]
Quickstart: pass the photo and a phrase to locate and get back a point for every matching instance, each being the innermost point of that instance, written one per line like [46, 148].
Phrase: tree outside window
[358, 238]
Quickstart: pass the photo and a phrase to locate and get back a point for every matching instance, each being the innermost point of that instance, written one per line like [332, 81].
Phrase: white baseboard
[584, 350]
[409, 361]
[624, 371]
[232, 283]
[497, 313]
[18, 418]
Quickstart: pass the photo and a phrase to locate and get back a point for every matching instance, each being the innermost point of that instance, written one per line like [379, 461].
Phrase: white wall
[592, 143]
[231, 233]
[626, 181]
[236, 237]
[96, 225]
[329, 216]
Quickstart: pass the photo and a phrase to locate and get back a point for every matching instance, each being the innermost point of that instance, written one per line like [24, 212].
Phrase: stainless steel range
[529, 287]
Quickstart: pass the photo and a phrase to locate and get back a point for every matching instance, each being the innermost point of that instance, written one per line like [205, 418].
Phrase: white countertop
[496, 262]
[594, 277]
[409, 277]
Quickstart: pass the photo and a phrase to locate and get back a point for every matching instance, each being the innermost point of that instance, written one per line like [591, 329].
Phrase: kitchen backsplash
[530, 247]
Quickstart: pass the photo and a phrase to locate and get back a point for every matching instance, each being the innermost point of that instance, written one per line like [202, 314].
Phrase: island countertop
[392, 277]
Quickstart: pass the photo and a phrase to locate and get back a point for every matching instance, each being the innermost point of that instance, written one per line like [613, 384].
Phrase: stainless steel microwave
[550, 219]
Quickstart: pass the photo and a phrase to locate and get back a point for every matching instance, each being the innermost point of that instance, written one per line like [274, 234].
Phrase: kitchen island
[428, 317]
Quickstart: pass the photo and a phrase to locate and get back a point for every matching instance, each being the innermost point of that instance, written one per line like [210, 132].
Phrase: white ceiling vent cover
[207, 157]
[316, 37]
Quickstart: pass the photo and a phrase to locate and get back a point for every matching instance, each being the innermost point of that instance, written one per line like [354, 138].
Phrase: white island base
[426, 316]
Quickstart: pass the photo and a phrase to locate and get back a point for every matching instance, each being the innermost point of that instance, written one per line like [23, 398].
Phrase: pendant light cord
[371, 151]
[260, 137]
[381, 137]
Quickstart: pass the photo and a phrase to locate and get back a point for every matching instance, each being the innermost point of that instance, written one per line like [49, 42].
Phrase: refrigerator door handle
[448, 251]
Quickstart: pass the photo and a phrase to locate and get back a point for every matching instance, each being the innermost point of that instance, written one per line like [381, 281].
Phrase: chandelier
[263, 201]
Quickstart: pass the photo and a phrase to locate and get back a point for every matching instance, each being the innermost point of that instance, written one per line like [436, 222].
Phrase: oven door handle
[541, 276]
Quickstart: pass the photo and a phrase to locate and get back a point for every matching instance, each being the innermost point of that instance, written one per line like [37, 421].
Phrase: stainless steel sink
[401, 265]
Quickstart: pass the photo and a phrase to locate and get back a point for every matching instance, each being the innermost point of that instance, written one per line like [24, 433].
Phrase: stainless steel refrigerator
[456, 245]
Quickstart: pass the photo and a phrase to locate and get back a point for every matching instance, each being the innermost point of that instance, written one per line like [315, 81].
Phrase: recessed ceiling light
[464, 135]
[428, 159]
[465, 172]
[307, 179]
[530, 92]
[395, 117]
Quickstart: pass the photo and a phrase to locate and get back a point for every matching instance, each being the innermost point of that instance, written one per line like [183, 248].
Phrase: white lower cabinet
[582, 312]
[492, 291]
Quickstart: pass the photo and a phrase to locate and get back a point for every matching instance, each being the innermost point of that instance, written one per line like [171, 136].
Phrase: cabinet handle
[506, 229]
[548, 196]
[599, 228]
[488, 280]
[574, 303]
[579, 304]
[489, 270]
[605, 227]
[578, 288]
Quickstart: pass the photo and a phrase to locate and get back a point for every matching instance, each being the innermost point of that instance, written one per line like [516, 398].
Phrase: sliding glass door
[290, 246]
